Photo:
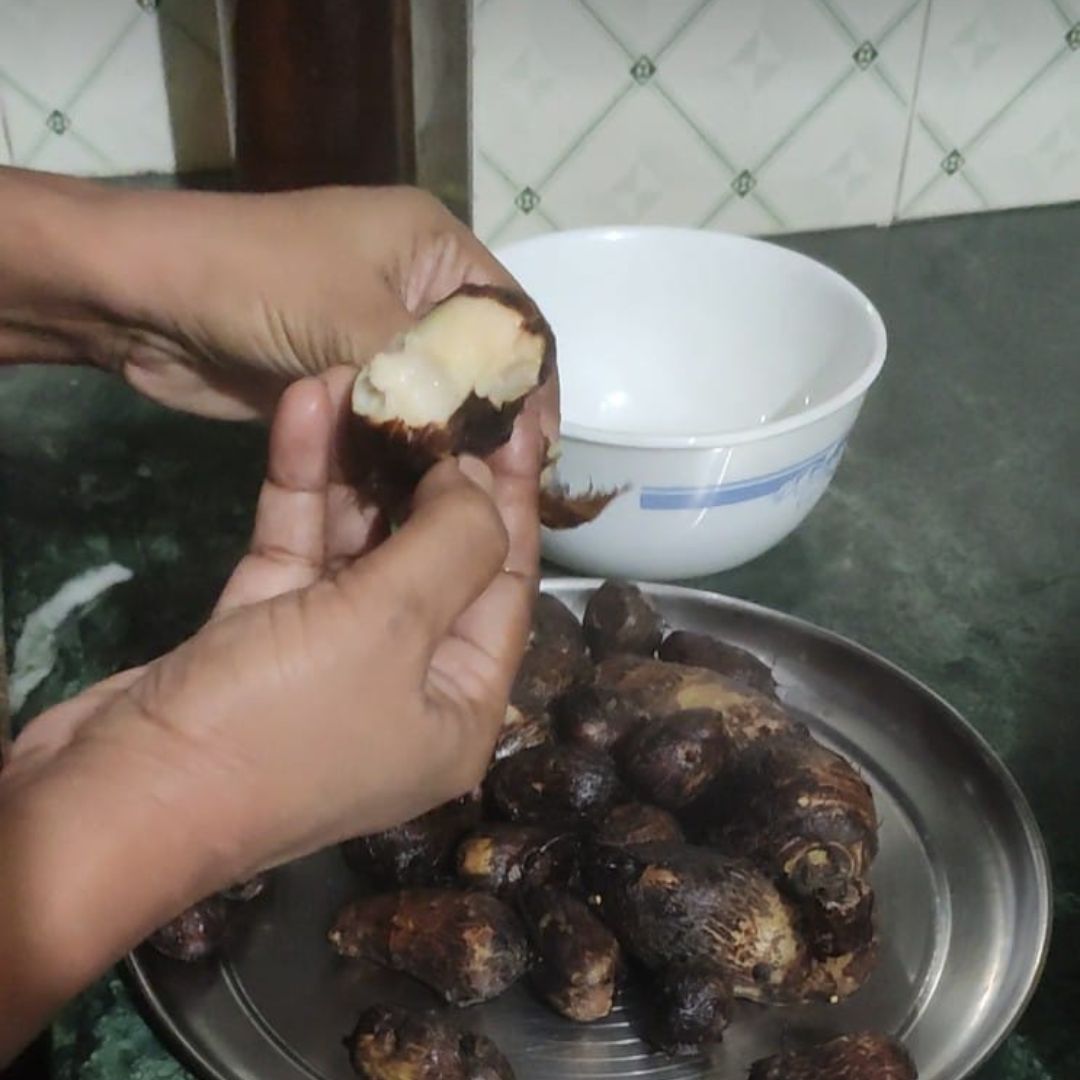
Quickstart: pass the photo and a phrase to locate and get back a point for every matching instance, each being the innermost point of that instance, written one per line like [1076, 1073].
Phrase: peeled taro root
[578, 958]
[420, 852]
[690, 1008]
[467, 946]
[619, 619]
[390, 1042]
[866, 1056]
[454, 384]
[195, 934]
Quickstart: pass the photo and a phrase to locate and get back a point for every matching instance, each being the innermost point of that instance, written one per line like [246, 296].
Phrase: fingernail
[477, 472]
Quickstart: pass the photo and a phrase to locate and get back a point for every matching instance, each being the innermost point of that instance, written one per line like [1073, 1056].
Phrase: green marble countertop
[947, 542]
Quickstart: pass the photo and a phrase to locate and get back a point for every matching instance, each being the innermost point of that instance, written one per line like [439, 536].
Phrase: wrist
[98, 846]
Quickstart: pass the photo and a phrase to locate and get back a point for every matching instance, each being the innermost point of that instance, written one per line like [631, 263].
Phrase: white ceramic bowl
[714, 377]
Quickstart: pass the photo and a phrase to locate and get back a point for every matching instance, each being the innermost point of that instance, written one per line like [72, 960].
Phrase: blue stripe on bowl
[699, 498]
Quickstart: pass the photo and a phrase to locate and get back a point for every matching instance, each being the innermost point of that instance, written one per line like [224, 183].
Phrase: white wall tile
[113, 86]
[644, 164]
[543, 74]
[998, 108]
[645, 26]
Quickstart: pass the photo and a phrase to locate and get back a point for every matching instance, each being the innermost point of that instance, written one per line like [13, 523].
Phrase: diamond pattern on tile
[126, 105]
[940, 192]
[840, 167]
[980, 54]
[492, 197]
[644, 164]
[745, 216]
[51, 46]
[542, 75]
[521, 227]
[644, 26]
[984, 60]
[1032, 154]
[70, 153]
[25, 121]
[868, 19]
[864, 55]
[769, 60]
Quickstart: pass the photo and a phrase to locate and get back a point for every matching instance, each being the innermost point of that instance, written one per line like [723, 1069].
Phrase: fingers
[289, 539]
[447, 552]
[494, 628]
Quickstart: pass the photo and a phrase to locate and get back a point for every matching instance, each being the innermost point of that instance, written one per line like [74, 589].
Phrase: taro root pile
[651, 813]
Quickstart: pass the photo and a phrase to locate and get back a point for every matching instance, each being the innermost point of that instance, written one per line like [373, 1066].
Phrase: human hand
[259, 290]
[316, 705]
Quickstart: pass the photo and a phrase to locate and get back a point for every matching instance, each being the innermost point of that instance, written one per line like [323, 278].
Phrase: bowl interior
[676, 332]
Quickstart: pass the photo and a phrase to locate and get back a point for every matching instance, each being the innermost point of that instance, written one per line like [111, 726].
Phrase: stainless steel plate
[962, 882]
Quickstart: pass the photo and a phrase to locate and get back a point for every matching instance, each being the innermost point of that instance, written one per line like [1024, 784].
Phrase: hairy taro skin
[197, 933]
[704, 651]
[578, 958]
[619, 619]
[557, 786]
[420, 852]
[690, 1008]
[677, 904]
[865, 1056]
[390, 1042]
[467, 946]
[638, 823]
[674, 760]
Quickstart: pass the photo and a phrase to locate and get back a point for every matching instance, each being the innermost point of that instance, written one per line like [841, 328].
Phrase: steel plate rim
[989, 757]
[158, 1018]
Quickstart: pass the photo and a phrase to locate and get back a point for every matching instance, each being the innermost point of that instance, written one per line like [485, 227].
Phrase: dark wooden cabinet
[322, 93]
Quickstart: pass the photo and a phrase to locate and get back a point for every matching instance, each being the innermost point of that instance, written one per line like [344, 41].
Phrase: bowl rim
[854, 390]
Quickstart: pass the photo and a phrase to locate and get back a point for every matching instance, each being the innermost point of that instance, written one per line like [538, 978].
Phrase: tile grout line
[574, 146]
[687, 119]
[913, 110]
[979, 135]
[679, 31]
[1066, 17]
[84, 85]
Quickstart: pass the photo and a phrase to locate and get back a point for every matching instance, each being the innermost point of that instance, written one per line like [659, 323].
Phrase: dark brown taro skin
[468, 946]
[619, 619]
[390, 1042]
[388, 459]
[557, 786]
[676, 904]
[804, 813]
[420, 852]
[555, 657]
[596, 717]
[502, 858]
[865, 1056]
[690, 1008]
[197, 933]
[704, 651]
[637, 823]
[578, 959]
[658, 689]
[673, 761]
